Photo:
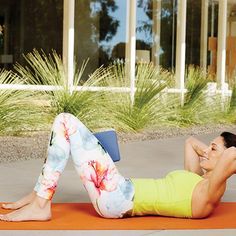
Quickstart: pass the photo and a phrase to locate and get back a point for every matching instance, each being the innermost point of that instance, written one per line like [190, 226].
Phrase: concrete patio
[153, 158]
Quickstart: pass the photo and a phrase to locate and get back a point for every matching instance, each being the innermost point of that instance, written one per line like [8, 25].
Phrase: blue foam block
[108, 140]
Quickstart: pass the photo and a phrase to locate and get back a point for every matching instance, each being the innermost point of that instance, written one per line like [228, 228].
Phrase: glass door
[231, 41]
[25, 25]
[100, 32]
[156, 32]
[213, 9]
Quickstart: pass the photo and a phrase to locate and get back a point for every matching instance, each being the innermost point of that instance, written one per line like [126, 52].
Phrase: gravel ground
[33, 146]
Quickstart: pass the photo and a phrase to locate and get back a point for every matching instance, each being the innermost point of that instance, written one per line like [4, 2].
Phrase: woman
[193, 192]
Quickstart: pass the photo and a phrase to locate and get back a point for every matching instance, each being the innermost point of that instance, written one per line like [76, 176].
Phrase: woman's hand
[194, 150]
[200, 152]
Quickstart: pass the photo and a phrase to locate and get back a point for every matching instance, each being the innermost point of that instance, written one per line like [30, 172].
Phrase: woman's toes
[9, 206]
[5, 206]
[3, 217]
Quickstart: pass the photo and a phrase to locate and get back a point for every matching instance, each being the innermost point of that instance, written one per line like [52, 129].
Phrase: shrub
[49, 70]
[17, 111]
[147, 107]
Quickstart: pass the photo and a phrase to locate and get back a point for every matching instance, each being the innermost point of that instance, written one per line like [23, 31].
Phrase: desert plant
[147, 108]
[17, 110]
[230, 110]
[196, 108]
[232, 102]
[49, 70]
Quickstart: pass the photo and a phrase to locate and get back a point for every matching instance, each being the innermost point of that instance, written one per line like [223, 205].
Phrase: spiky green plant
[49, 70]
[18, 112]
[232, 103]
[147, 107]
[195, 85]
[230, 111]
[197, 108]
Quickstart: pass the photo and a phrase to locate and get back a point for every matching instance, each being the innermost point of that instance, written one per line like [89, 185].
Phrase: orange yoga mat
[82, 216]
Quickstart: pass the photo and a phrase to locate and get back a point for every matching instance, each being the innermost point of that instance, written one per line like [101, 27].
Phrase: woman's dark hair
[229, 139]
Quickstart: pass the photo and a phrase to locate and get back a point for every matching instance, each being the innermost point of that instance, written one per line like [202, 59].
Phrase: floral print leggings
[111, 194]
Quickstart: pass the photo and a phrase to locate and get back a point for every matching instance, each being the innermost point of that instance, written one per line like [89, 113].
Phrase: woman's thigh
[109, 191]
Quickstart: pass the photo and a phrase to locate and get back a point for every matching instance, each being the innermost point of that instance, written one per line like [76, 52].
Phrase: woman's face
[212, 154]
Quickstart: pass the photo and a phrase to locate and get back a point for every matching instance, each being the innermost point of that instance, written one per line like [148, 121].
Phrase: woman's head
[229, 139]
[216, 148]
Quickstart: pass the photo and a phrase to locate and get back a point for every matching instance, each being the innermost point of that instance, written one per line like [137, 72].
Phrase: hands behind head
[200, 151]
[230, 151]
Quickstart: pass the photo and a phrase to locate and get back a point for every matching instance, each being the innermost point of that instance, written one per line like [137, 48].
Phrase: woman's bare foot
[20, 203]
[38, 210]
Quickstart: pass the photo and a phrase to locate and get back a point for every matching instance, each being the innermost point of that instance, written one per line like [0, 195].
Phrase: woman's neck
[207, 174]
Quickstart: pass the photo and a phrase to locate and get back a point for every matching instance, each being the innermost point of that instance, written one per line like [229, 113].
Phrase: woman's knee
[66, 118]
[64, 115]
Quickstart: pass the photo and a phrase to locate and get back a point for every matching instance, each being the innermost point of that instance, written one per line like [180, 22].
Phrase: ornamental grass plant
[101, 109]
[199, 107]
[148, 105]
[230, 114]
[49, 70]
[150, 108]
[17, 111]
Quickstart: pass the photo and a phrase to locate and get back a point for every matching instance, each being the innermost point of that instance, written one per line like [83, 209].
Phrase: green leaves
[49, 70]
[198, 107]
[195, 84]
[17, 111]
[151, 107]
[147, 106]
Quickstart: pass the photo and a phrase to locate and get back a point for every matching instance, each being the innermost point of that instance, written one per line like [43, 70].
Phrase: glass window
[193, 32]
[231, 42]
[100, 32]
[26, 24]
[156, 32]
[213, 8]
[196, 25]
[168, 33]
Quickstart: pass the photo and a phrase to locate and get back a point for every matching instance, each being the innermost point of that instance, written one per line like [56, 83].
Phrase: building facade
[171, 33]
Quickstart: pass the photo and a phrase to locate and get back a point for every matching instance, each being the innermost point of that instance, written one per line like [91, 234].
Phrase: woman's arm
[194, 149]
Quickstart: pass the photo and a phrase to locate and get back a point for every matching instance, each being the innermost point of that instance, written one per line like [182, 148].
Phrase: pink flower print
[102, 176]
[67, 130]
[50, 193]
[49, 182]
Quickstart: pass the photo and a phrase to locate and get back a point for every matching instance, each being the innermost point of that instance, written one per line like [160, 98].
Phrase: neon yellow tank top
[170, 196]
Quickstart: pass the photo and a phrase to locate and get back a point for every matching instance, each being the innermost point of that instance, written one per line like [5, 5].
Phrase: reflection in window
[100, 27]
[28, 25]
[168, 33]
[156, 32]
[213, 8]
[1, 37]
[193, 32]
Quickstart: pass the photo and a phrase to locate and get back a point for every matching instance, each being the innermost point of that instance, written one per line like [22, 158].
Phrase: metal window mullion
[181, 47]
[131, 46]
[221, 44]
[68, 41]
